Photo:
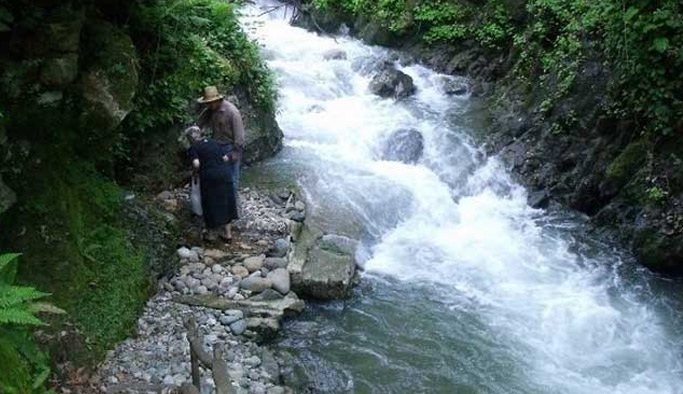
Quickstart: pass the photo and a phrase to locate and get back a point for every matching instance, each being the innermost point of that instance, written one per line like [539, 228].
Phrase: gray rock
[273, 263]
[276, 390]
[270, 365]
[201, 290]
[538, 199]
[232, 292]
[168, 380]
[187, 254]
[238, 327]
[279, 248]
[234, 312]
[217, 268]
[392, 83]
[209, 283]
[240, 271]
[321, 271]
[300, 206]
[255, 284]
[257, 388]
[254, 263]
[455, 87]
[110, 82]
[252, 362]
[267, 295]
[280, 280]
[179, 285]
[227, 320]
[334, 54]
[191, 282]
[404, 145]
[297, 216]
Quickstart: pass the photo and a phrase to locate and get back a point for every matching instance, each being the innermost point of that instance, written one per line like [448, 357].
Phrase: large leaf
[15, 295]
[8, 271]
[19, 316]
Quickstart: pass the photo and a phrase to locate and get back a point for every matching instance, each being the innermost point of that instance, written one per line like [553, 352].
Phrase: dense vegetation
[639, 40]
[80, 238]
[28, 365]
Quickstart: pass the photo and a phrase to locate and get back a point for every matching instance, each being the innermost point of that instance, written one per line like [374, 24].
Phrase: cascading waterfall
[466, 288]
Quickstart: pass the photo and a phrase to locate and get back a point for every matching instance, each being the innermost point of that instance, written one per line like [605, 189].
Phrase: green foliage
[640, 41]
[185, 46]
[18, 308]
[655, 194]
[78, 248]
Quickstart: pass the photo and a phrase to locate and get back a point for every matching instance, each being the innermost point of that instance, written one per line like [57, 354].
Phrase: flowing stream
[465, 289]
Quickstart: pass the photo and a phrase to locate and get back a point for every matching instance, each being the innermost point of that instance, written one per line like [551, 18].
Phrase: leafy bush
[26, 366]
[186, 45]
[642, 43]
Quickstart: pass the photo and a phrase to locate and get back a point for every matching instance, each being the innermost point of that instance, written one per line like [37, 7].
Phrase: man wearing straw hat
[225, 121]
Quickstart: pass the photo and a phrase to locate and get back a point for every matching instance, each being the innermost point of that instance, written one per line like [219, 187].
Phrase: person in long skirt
[219, 204]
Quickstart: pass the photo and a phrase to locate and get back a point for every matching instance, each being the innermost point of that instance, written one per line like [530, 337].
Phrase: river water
[465, 288]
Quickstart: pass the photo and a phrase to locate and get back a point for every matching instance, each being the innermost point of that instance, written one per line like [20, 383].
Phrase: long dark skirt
[218, 197]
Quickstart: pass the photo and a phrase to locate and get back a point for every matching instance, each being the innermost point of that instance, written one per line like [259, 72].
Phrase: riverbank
[238, 293]
[552, 117]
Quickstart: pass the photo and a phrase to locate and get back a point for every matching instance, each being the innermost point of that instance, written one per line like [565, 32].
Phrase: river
[465, 288]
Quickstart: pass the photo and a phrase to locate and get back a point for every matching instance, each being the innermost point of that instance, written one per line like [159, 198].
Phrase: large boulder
[323, 266]
[109, 83]
[391, 82]
[404, 145]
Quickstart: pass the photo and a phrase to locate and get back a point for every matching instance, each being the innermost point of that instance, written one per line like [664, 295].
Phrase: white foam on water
[476, 241]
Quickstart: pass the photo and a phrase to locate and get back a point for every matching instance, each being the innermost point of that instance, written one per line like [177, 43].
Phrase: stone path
[238, 293]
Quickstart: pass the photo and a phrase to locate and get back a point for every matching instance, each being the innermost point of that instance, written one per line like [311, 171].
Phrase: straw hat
[210, 95]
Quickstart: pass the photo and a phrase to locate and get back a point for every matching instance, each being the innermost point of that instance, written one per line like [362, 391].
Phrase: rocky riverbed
[238, 293]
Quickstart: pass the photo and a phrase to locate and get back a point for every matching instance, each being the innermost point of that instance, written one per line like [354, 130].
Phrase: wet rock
[279, 248]
[455, 86]
[334, 54]
[280, 280]
[322, 269]
[270, 365]
[297, 216]
[264, 327]
[256, 284]
[392, 83]
[238, 327]
[404, 145]
[538, 199]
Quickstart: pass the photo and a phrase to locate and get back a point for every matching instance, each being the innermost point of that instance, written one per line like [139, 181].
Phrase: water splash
[507, 302]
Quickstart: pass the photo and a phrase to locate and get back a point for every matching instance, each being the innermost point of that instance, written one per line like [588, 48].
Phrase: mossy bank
[93, 97]
[585, 98]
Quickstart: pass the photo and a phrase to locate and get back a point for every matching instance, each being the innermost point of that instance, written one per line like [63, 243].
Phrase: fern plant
[18, 308]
